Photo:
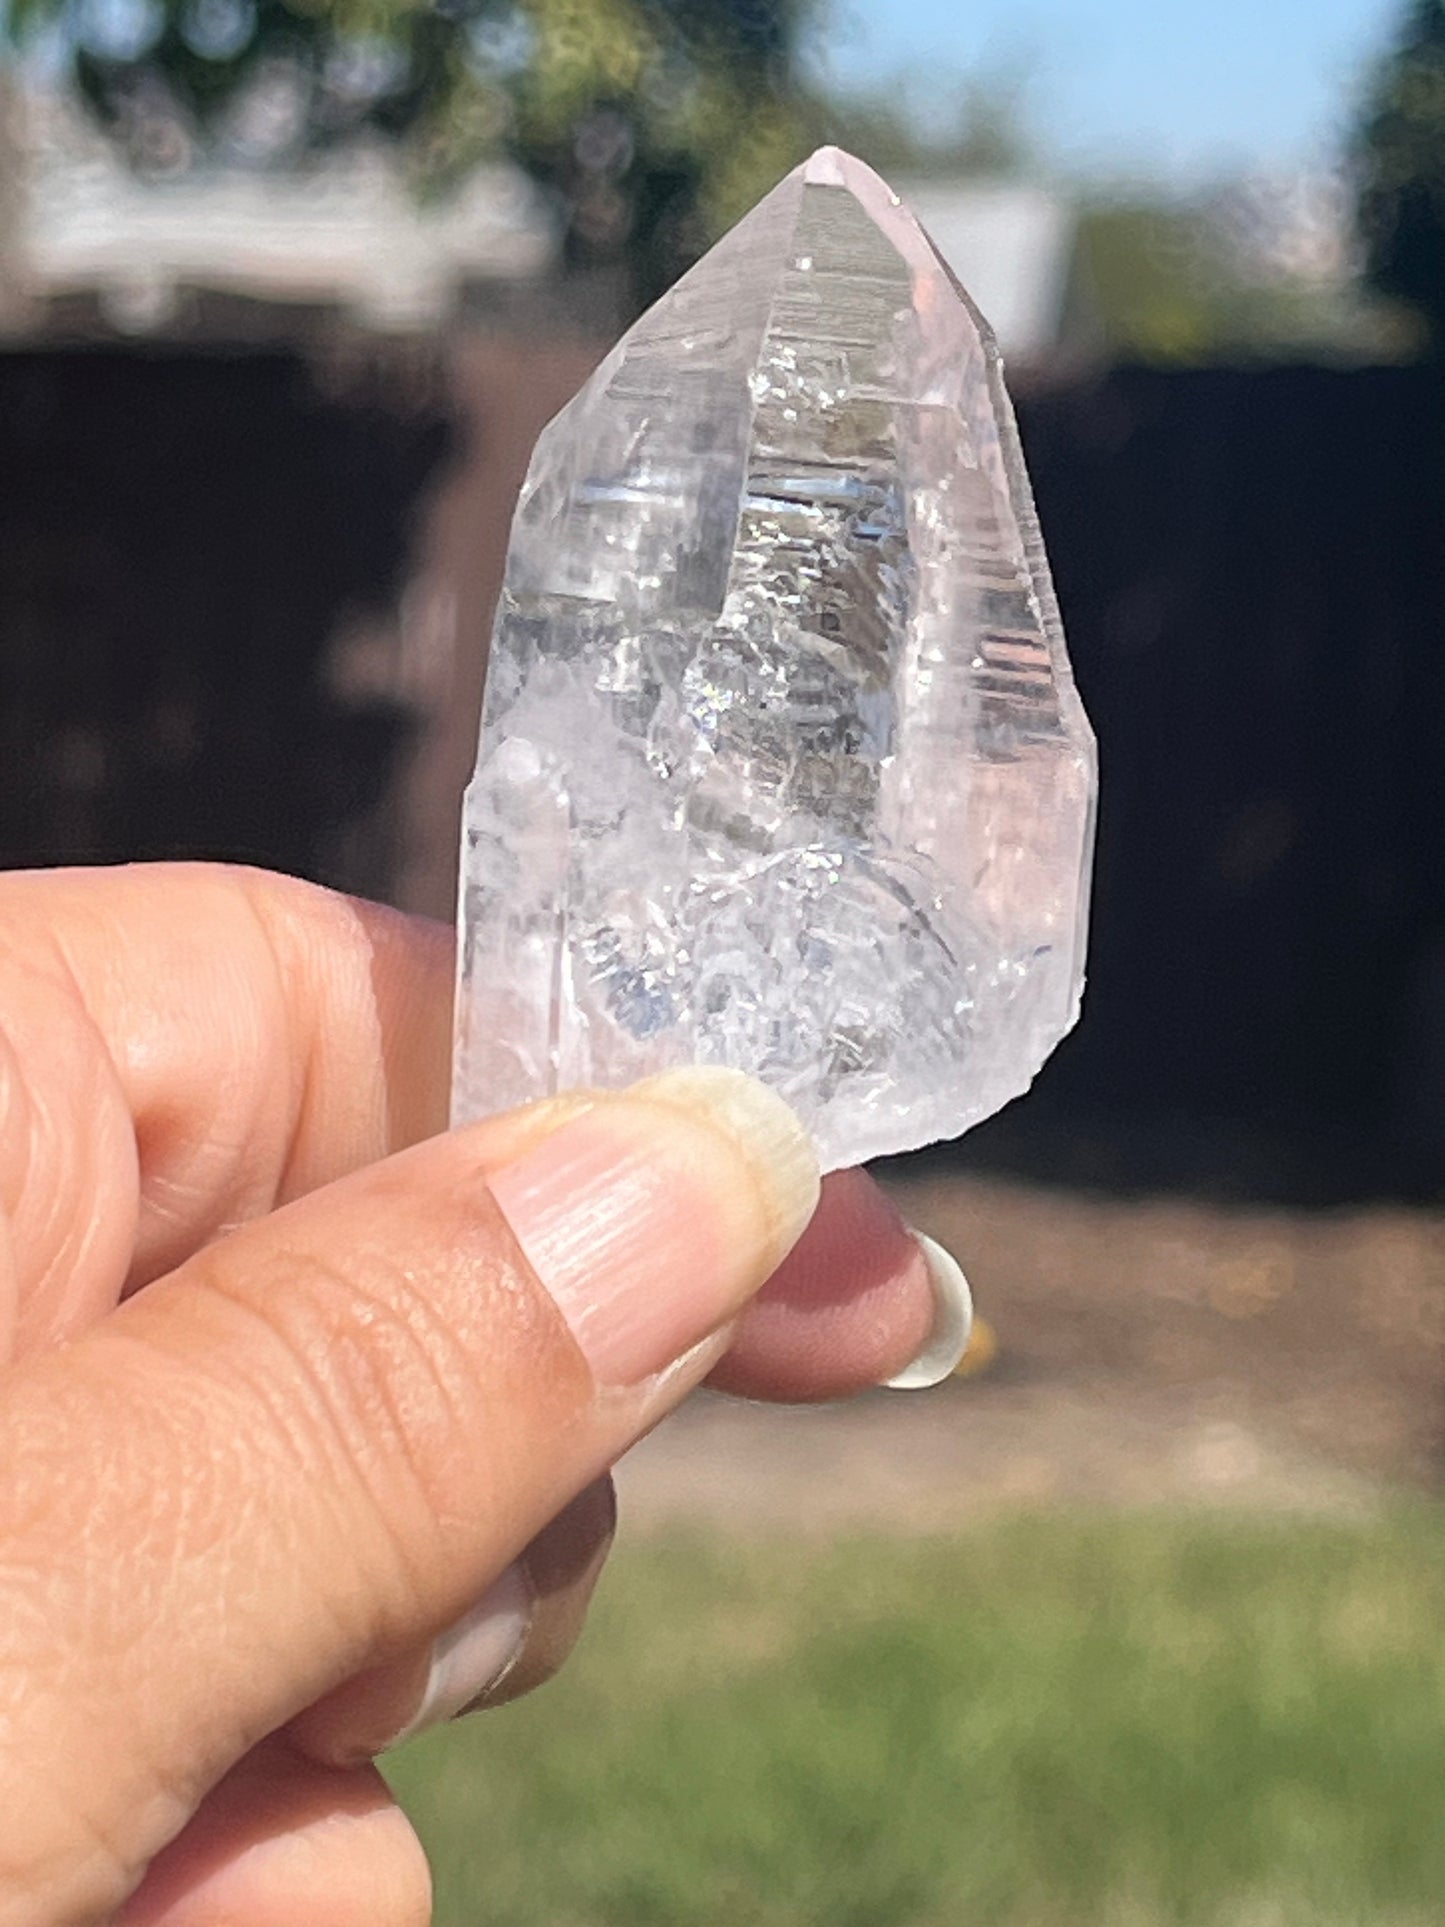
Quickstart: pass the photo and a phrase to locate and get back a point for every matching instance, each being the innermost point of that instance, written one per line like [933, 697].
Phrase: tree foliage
[655, 122]
[1166, 283]
[1401, 157]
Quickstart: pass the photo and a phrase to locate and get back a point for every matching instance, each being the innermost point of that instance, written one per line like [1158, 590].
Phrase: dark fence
[1252, 570]
[182, 539]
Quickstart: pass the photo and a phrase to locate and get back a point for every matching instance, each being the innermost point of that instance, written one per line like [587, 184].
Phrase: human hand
[292, 1386]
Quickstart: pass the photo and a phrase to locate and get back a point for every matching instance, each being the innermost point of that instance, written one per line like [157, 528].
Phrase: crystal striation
[782, 764]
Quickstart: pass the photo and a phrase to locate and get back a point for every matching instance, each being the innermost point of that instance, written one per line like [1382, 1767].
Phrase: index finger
[184, 1046]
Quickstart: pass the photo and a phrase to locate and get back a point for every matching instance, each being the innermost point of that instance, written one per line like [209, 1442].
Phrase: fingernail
[952, 1321]
[474, 1656]
[563, 1564]
[653, 1216]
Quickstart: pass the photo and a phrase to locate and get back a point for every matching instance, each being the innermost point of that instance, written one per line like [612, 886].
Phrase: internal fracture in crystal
[782, 765]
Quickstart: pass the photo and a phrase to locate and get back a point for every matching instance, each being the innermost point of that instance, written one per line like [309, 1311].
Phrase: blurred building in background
[1015, 247]
[226, 252]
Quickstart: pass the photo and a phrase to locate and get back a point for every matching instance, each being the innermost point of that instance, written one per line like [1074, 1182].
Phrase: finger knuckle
[370, 1389]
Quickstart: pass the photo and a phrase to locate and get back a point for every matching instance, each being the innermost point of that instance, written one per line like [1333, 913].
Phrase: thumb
[317, 1441]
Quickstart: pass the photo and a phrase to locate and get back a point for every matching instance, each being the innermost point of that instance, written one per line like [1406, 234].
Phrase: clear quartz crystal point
[782, 764]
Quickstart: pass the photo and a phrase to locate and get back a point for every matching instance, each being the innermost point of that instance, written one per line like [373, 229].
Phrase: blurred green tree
[1172, 280]
[654, 122]
[1143, 262]
[1400, 151]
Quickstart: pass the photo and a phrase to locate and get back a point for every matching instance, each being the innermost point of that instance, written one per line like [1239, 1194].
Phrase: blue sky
[1180, 88]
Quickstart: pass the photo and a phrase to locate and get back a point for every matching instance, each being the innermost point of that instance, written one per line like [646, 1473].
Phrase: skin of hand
[307, 1405]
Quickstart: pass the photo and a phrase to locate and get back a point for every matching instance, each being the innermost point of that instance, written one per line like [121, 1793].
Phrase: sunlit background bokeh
[1137, 1621]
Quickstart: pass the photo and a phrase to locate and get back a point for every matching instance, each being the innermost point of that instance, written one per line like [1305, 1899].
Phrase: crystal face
[782, 765]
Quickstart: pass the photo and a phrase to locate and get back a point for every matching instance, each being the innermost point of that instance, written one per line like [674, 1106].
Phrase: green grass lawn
[1048, 1721]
